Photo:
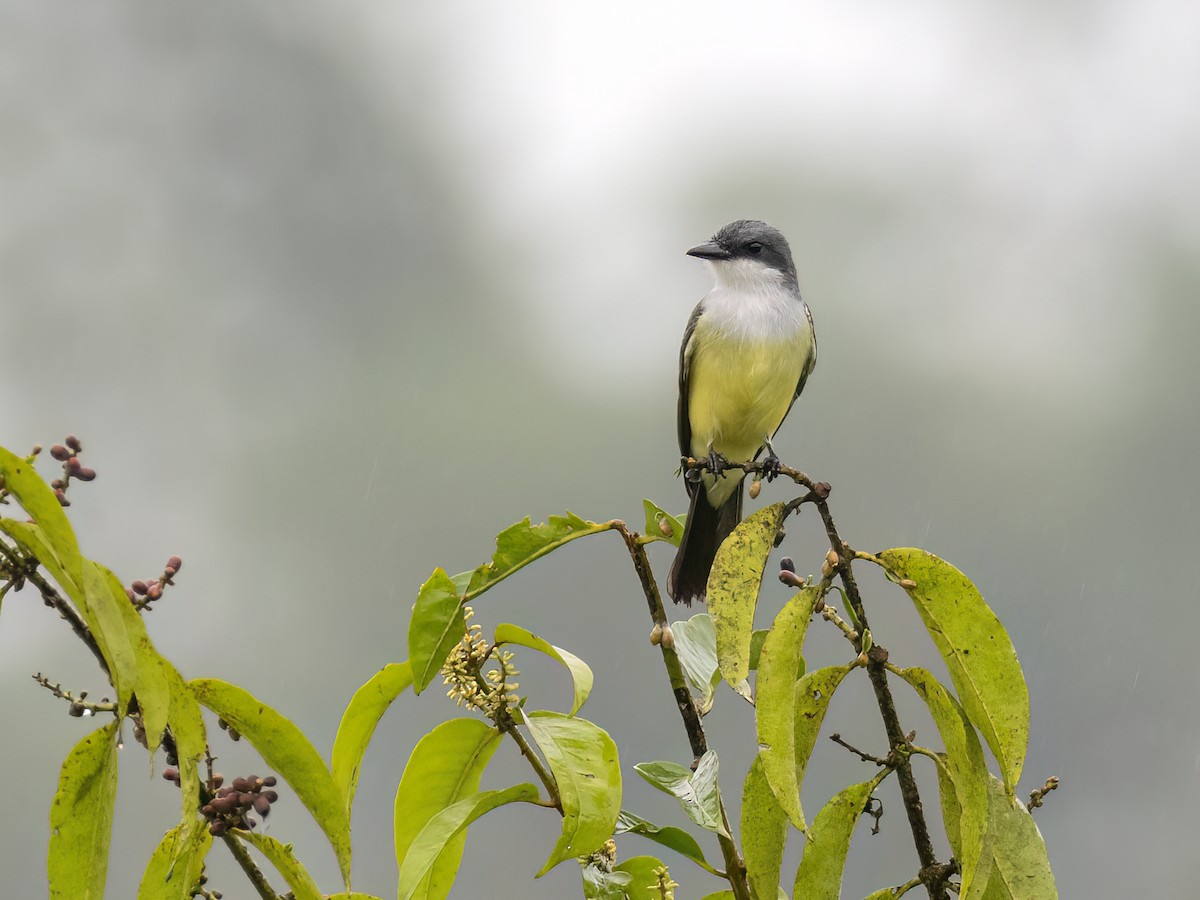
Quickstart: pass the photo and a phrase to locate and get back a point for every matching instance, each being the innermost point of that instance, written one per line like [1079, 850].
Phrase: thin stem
[735, 866]
[509, 727]
[253, 872]
[658, 614]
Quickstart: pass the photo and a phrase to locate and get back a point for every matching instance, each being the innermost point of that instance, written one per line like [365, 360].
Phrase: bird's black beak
[709, 250]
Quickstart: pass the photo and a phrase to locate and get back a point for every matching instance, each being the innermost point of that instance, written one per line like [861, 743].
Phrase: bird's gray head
[748, 246]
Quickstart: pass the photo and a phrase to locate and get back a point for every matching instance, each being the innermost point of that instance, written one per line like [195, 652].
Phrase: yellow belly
[738, 394]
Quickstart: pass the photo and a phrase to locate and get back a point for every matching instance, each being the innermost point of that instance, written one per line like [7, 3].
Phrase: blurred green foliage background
[335, 292]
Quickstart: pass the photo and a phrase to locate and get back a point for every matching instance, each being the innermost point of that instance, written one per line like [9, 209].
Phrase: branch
[658, 614]
[253, 872]
[735, 866]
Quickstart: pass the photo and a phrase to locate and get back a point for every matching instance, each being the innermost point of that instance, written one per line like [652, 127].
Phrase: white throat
[755, 301]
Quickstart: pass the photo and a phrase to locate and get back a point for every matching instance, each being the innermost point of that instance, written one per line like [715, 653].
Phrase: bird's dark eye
[754, 248]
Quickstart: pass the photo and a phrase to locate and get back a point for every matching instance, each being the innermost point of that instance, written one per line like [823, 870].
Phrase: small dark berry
[62, 498]
[786, 563]
[85, 474]
[218, 779]
[175, 563]
[241, 784]
[73, 464]
[270, 781]
[235, 735]
[245, 798]
[208, 810]
[59, 452]
[140, 587]
[73, 442]
[170, 774]
[76, 709]
[262, 805]
[218, 828]
[271, 796]
[154, 591]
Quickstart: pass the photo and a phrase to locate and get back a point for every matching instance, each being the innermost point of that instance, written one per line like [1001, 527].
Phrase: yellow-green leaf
[283, 858]
[437, 624]
[764, 832]
[977, 650]
[81, 818]
[174, 869]
[581, 674]
[1020, 866]
[812, 693]
[445, 766]
[733, 586]
[658, 521]
[362, 714]
[285, 749]
[696, 647]
[779, 664]
[39, 501]
[520, 544]
[583, 759]
[967, 770]
[643, 883]
[668, 836]
[697, 791]
[442, 828]
[187, 726]
[820, 874]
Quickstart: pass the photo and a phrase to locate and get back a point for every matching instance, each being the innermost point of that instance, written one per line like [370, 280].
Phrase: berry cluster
[231, 804]
[143, 593]
[67, 453]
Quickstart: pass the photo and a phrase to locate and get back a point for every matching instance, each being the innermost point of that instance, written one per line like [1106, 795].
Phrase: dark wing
[685, 365]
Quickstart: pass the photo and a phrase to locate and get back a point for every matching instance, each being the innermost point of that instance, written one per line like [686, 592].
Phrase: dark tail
[705, 529]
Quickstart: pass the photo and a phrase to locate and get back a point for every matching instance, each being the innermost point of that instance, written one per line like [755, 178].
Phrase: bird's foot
[771, 466]
[717, 463]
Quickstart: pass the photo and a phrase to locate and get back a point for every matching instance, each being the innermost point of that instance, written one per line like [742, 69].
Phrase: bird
[747, 352]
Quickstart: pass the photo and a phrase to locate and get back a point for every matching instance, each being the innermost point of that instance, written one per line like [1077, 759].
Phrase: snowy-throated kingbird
[747, 351]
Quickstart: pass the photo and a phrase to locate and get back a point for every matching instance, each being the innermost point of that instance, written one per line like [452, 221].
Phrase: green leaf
[779, 665]
[1020, 866]
[643, 882]
[883, 894]
[581, 674]
[351, 895]
[764, 832]
[733, 586]
[820, 874]
[442, 828]
[187, 726]
[583, 759]
[437, 624]
[967, 770]
[81, 818]
[602, 883]
[282, 857]
[697, 792]
[656, 519]
[720, 895]
[757, 637]
[174, 869]
[669, 836]
[445, 766]
[520, 544]
[285, 749]
[362, 714]
[812, 694]
[982, 662]
[696, 647]
[39, 501]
